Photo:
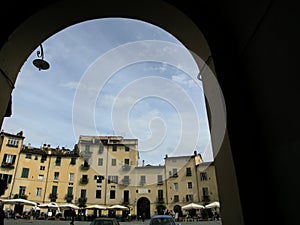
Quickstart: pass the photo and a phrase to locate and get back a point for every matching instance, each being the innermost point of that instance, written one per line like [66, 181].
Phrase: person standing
[3, 187]
[2, 214]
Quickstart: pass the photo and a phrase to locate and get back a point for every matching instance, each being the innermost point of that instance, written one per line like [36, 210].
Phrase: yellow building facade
[105, 170]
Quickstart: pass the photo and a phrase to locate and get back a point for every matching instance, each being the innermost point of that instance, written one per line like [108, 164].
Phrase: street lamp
[41, 64]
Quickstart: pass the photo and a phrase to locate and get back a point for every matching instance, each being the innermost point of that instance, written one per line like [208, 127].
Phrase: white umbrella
[118, 207]
[95, 207]
[19, 201]
[192, 206]
[215, 204]
[69, 206]
[52, 205]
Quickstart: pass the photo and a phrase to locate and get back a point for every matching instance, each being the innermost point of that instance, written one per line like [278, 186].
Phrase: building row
[104, 170]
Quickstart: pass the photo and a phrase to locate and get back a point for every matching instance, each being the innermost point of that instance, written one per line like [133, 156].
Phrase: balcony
[205, 198]
[84, 180]
[84, 166]
[7, 165]
[125, 181]
[188, 174]
[160, 200]
[126, 167]
[160, 182]
[53, 197]
[69, 198]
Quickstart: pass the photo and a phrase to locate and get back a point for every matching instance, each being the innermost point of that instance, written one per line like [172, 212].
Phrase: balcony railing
[69, 198]
[7, 165]
[84, 166]
[84, 180]
[53, 196]
[125, 181]
[160, 200]
[206, 198]
[126, 167]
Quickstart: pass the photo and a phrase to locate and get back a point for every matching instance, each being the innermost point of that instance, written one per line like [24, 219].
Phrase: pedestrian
[73, 214]
[2, 214]
[143, 216]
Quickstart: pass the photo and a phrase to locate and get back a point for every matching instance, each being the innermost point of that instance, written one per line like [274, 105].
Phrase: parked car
[162, 220]
[105, 221]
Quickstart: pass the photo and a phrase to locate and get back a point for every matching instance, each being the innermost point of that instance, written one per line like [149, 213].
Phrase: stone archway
[143, 206]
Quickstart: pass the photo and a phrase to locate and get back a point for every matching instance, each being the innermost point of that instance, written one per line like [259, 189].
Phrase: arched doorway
[143, 206]
[177, 210]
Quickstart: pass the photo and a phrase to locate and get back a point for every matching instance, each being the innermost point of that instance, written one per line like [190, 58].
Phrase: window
[28, 156]
[126, 161]
[58, 161]
[98, 193]
[127, 149]
[22, 190]
[25, 172]
[126, 196]
[6, 177]
[205, 191]
[38, 192]
[176, 198]
[143, 180]
[159, 180]
[189, 198]
[100, 162]
[41, 177]
[190, 185]
[8, 159]
[113, 162]
[114, 148]
[112, 194]
[54, 190]
[126, 180]
[36, 157]
[12, 142]
[99, 178]
[174, 172]
[87, 148]
[56, 175]
[42, 167]
[175, 186]
[188, 171]
[84, 179]
[113, 179]
[70, 191]
[160, 195]
[73, 161]
[101, 149]
[71, 176]
[43, 158]
[82, 193]
[203, 176]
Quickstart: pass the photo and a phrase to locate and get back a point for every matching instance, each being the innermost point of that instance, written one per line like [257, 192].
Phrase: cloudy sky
[113, 77]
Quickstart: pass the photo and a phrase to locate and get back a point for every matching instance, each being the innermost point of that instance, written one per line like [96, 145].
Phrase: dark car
[162, 220]
[105, 221]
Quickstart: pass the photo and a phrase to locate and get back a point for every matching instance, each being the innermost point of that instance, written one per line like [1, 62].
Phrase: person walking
[73, 214]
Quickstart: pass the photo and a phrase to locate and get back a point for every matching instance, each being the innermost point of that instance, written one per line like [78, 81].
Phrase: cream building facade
[105, 170]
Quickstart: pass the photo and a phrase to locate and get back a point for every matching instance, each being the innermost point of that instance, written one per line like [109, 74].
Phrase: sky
[113, 76]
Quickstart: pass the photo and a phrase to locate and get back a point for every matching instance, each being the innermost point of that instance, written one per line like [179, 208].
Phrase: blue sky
[113, 76]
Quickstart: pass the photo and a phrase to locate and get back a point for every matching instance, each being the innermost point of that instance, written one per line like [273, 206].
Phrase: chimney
[143, 163]
[29, 146]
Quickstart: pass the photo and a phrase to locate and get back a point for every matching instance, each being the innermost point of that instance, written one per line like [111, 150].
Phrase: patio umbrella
[51, 205]
[192, 206]
[118, 207]
[95, 207]
[19, 201]
[215, 204]
[68, 206]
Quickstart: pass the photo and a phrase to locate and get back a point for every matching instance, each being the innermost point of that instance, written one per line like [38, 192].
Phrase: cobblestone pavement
[66, 222]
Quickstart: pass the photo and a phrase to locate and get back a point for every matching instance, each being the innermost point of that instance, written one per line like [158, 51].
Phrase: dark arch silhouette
[143, 206]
